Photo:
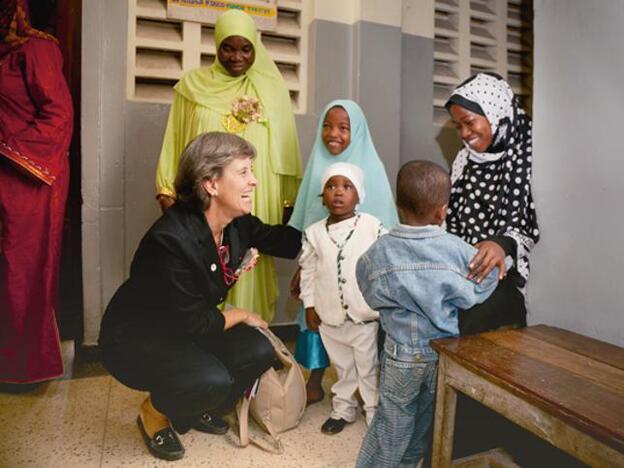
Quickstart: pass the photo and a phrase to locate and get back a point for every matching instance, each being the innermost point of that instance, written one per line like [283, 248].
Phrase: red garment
[32, 213]
[35, 109]
[35, 131]
[35, 106]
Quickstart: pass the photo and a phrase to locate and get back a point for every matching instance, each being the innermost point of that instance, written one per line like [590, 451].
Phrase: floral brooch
[244, 109]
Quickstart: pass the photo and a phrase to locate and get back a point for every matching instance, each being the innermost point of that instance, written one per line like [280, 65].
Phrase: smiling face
[340, 197]
[232, 191]
[236, 54]
[336, 130]
[472, 128]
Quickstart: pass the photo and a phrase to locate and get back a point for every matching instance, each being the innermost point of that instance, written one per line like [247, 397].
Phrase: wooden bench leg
[446, 401]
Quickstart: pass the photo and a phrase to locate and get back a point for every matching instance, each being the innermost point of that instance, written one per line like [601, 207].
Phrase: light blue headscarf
[379, 202]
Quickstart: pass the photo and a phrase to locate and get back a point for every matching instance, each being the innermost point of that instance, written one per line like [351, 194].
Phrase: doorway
[63, 19]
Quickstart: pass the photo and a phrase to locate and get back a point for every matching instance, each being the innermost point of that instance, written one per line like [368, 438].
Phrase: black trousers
[504, 308]
[186, 378]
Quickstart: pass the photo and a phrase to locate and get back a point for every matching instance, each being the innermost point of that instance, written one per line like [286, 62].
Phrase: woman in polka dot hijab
[491, 205]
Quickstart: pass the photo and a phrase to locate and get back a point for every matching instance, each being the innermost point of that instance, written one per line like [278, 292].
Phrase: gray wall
[578, 264]
[417, 129]
[378, 88]
[331, 63]
[104, 30]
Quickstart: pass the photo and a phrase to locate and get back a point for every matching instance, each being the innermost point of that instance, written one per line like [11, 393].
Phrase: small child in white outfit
[332, 300]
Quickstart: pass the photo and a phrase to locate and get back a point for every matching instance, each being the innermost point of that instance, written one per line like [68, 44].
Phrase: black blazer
[176, 280]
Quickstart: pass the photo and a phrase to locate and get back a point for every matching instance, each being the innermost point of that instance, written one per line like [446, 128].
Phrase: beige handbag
[276, 402]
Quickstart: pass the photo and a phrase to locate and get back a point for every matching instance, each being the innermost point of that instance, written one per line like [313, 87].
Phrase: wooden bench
[565, 388]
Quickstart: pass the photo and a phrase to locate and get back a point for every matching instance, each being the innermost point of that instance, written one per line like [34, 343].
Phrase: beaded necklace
[341, 245]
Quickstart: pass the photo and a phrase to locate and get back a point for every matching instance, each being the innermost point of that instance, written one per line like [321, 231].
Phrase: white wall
[578, 266]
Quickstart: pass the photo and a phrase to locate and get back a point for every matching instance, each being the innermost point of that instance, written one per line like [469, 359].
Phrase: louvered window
[520, 50]
[161, 50]
[481, 35]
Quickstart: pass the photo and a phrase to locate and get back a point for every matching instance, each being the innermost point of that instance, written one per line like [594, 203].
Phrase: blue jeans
[398, 434]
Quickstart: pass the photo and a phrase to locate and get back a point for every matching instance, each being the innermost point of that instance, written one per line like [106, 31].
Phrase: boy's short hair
[422, 186]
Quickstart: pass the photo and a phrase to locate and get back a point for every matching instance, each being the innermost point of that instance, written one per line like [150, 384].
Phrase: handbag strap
[269, 443]
[243, 421]
[281, 351]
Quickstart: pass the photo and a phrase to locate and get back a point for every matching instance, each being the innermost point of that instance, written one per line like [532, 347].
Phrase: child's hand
[295, 284]
[312, 319]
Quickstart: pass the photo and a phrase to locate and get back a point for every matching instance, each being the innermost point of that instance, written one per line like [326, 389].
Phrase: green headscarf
[215, 88]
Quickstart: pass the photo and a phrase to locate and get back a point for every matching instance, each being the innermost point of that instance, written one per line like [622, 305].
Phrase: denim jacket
[415, 277]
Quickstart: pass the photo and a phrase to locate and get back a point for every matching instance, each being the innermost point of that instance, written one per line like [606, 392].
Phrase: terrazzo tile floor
[88, 419]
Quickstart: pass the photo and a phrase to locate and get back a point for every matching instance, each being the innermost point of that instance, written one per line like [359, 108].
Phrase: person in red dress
[36, 118]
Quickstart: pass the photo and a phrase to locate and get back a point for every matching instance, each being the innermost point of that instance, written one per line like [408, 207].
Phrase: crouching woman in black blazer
[162, 331]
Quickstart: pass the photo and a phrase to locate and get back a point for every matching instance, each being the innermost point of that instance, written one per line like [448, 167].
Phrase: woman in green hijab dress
[243, 92]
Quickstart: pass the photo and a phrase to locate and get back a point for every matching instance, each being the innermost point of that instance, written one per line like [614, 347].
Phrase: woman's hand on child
[489, 256]
[295, 284]
[312, 319]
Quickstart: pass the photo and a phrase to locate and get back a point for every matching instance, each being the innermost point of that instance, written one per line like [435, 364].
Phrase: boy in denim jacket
[416, 278]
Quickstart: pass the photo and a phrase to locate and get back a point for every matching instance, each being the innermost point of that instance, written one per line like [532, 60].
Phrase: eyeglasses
[229, 275]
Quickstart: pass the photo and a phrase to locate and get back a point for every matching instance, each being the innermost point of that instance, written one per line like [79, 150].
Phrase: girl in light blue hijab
[342, 136]
[361, 152]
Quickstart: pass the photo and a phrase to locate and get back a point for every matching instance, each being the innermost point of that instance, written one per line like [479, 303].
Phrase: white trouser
[352, 349]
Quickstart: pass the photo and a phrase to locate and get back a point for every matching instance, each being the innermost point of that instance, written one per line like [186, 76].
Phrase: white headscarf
[351, 172]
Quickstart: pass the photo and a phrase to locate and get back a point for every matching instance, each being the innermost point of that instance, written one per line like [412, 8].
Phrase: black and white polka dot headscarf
[491, 192]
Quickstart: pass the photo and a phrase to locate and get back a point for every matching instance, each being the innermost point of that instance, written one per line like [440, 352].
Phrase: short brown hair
[204, 158]
[422, 187]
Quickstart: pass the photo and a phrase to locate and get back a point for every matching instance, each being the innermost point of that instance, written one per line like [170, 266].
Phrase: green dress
[203, 100]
